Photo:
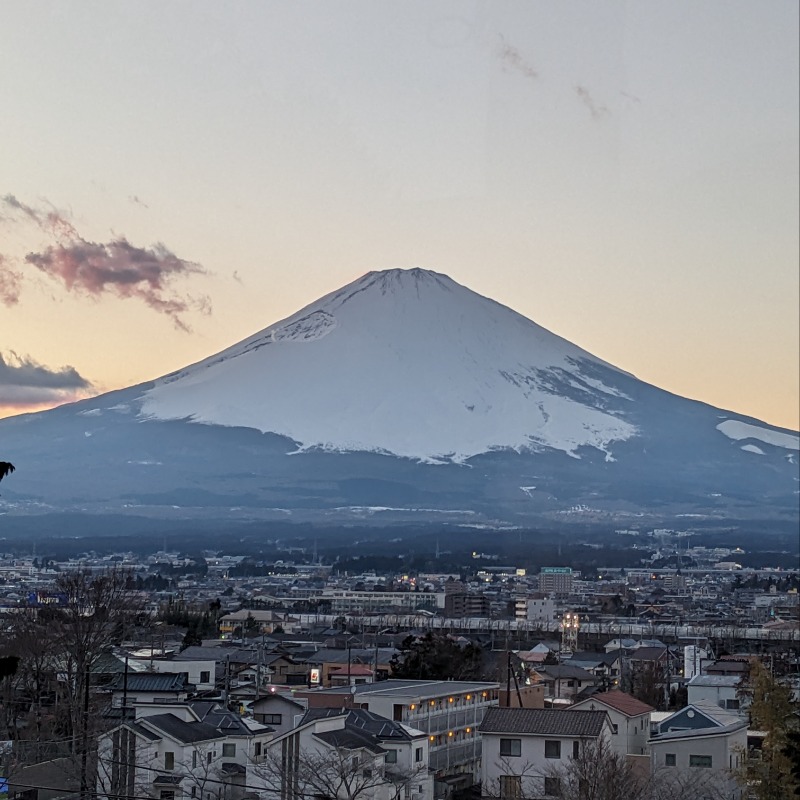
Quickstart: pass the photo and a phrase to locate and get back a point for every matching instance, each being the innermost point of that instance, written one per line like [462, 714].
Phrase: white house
[173, 751]
[701, 738]
[526, 750]
[629, 717]
[338, 753]
[723, 691]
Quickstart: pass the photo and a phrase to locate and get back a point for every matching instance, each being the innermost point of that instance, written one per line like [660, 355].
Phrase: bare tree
[599, 773]
[288, 771]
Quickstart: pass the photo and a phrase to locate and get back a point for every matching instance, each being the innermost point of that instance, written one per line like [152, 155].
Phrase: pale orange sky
[626, 175]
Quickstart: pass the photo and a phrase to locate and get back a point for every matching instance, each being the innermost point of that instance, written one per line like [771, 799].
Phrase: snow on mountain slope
[406, 362]
[735, 429]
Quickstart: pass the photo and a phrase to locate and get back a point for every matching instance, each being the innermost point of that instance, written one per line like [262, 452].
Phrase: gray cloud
[512, 59]
[25, 382]
[597, 111]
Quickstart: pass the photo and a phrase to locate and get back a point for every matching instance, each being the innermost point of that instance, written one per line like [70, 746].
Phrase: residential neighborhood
[158, 678]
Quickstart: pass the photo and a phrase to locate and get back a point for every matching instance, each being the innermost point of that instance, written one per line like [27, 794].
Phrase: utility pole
[85, 739]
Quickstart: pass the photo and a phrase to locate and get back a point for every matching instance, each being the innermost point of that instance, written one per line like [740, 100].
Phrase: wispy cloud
[10, 283]
[511, 58]
[124, 269]
[597, 111]
[26, 383]
[115, 267]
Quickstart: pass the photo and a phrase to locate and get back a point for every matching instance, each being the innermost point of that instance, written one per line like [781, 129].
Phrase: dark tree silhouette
[5, 469]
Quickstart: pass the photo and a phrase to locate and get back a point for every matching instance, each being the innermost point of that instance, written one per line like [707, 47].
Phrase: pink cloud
[116, 267]
[124, 269]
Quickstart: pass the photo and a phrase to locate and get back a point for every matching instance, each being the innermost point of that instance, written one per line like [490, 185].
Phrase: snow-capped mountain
[403, 390]
[408, 363]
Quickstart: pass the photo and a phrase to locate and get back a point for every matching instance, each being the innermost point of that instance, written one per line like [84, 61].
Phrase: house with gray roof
[376, 757]
[525, 749]
[701, 741]
[725, 691]
[177, 751]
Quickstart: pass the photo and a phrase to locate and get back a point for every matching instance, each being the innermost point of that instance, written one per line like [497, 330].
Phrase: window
[167, 794]
[208, 759]
[418, 755]
[194, 791]
[228, 750]
[194, 758]
[169, 760]
[614, 729]
[699, 761]
[510, 787]
[576, 749]
[669, 760]
[511, 747]
[391, 756]
[257, 749]
[205, 676]
[552, 749]
[273, 719]
[367, 773]
[732, 705]
[552, 786]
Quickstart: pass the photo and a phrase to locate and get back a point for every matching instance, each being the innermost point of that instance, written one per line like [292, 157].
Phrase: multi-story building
[466, 605]
[346, 601]
[555, 580]
[448, 712]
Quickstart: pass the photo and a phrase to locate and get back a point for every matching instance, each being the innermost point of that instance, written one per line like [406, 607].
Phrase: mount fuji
[403, 394]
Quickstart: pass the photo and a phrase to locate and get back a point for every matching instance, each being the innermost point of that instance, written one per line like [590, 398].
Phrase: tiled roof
[185, 732]
[649, 654]
[353, 669]
[151, 682]
[543, 722]
[349, 739]
[562, 671]
[622, 702]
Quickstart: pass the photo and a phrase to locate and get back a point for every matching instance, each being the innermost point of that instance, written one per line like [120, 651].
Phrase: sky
[175, 176]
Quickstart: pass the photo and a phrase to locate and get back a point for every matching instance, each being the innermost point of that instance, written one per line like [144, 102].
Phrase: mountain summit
[401, 393]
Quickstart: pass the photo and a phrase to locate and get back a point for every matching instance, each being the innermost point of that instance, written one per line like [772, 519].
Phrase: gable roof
[562, 671]
[620, 701]
[152, 682]
[176, 728]
[543, 722]
[695, 733]
[716, 716]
